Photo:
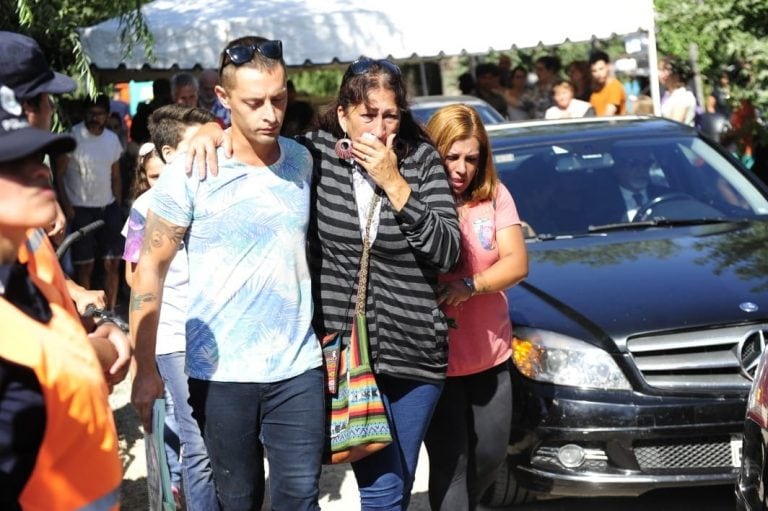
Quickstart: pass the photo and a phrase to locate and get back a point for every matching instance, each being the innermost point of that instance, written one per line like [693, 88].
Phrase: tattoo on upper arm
[138, 300]
[157, 231]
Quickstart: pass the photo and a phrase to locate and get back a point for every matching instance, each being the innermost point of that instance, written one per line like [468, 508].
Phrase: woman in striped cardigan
[383, 152]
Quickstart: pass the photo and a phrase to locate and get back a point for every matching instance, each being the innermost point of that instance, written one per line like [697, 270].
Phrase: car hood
[624, 283]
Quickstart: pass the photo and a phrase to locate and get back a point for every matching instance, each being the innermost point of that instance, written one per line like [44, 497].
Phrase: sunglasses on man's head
[242, 53]
[362, 66]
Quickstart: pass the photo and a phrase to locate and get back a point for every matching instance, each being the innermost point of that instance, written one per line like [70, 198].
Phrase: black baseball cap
[25, 70]
[18, 139]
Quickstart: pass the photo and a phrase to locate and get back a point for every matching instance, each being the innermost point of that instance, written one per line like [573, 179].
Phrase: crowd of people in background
[583, 88]
[591, 87]
[275, 232]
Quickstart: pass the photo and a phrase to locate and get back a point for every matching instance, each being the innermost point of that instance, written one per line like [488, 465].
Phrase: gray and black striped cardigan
[407, 330]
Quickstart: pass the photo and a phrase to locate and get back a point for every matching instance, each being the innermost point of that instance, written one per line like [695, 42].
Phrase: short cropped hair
[167, 124]
[183, 80]
[487, 68]
[599, 55]
[101, 101]
[550, 62]
[258, 61]
[563, 83]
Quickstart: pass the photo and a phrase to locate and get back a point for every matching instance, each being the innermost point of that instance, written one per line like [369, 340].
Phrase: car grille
[723, 358]
[710, 453]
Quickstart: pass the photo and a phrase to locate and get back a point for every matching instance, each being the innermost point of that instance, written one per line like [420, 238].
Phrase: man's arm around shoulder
[160, 245]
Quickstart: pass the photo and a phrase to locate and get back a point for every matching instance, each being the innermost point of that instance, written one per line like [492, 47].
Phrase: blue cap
[25, 70]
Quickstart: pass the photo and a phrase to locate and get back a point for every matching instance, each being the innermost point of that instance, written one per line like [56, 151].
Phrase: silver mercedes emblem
[748, 353]
[748, 306]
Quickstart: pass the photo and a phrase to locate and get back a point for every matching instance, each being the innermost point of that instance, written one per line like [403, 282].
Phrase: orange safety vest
[40, 257]
[77, 467]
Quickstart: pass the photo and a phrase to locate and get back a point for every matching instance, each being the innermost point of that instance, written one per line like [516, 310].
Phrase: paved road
[338, 491]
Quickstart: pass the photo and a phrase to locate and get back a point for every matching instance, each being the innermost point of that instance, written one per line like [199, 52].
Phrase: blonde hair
[457, 122]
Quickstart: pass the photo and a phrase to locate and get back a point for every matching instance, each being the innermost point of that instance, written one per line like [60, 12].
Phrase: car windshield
[590, 186]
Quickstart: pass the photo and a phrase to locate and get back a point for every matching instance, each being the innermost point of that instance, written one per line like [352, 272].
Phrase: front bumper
[633, 442]
[753, 477]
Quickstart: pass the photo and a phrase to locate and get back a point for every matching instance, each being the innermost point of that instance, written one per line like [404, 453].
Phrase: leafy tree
[53, 24]
[727, 32]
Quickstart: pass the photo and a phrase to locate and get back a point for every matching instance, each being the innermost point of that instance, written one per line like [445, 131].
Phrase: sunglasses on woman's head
[362, 66]
[242, 53]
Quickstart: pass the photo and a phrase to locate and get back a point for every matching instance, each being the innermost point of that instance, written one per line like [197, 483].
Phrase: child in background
[148, 169]
[566, 105]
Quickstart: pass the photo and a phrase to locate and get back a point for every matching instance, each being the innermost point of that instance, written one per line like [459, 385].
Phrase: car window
[487, 114]
[568, 188]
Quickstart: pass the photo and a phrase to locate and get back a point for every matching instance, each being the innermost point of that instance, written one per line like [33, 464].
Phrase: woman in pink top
[467, 438]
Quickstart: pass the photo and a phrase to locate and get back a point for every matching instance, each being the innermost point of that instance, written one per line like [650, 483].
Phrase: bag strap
[362, 275]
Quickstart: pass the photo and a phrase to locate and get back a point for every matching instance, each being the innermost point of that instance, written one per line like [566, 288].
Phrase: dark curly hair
[679, 67]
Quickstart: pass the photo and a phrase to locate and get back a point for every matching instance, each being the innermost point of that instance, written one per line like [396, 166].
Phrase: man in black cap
[26, 81]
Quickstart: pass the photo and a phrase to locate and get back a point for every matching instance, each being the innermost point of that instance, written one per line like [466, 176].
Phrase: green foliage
[53, 24]
[317, 82]
[727, 32]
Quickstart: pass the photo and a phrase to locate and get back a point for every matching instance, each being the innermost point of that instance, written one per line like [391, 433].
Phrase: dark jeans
[385, 478]
[467, 439]
[240, 421]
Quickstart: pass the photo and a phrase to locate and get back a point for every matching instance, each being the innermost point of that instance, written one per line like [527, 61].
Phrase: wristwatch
[470, 283]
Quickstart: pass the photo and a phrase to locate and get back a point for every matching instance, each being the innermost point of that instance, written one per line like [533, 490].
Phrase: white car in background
[422, 107]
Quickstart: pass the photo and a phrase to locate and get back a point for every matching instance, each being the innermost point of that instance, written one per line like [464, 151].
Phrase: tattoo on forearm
[157, 231]
[138, 300]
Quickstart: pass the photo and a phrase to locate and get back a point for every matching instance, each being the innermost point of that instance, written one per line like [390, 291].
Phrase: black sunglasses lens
[389, 66]
[359, 67]
[271, 49]
[362, 66]
[240, 54]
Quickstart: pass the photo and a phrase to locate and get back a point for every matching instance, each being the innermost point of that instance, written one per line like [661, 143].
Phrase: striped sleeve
[429, 219]
[407, 330]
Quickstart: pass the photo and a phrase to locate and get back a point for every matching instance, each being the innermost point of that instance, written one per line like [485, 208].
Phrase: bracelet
[470, 283]
[119, 323]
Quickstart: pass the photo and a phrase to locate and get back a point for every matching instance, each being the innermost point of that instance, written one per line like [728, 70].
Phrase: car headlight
[555, 358]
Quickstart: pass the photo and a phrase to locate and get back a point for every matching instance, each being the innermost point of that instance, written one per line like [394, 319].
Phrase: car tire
[505, 490]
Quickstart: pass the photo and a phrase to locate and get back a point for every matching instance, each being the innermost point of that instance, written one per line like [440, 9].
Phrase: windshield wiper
[660, 222]
[550, 237]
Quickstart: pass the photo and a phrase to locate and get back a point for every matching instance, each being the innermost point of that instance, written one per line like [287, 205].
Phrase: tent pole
[423, 76]
[653, 61]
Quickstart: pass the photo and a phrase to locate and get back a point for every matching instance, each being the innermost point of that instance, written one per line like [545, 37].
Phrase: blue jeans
[240, 421]
[171, 439]
[199, 490]
[385, 478]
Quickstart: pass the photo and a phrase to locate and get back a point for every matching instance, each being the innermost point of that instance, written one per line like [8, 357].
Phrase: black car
[644, 312]
[753, 476]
